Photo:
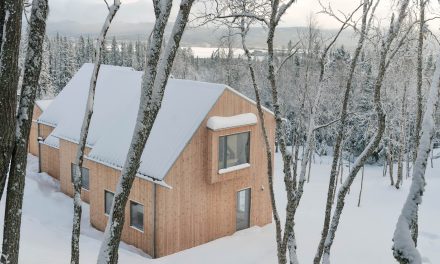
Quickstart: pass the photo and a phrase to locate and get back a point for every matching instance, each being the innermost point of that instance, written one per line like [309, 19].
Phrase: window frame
[222, 155]
[143, 214]
[105, 201]
[83, 169]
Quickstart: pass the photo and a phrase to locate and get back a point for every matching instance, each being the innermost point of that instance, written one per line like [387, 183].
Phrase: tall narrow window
[243, 209]
[108, 200]
[85, 175]
[137, 215]
[233, 150]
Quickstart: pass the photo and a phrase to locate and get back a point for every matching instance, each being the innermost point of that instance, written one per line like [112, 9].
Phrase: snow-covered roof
[223, 122]
[184, 107]
[115, 89]
[52, 141]
[44, 104]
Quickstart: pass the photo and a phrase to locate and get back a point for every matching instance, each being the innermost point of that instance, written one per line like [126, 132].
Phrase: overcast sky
[133, 11]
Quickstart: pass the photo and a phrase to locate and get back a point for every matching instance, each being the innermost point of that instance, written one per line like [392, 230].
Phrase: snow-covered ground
[364, 235]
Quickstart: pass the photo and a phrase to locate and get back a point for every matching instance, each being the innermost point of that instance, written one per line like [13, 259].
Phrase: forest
[374, 104]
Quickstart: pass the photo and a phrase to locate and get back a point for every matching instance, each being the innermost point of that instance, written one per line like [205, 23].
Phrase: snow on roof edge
[71, 140]
[226, 122]
[49, 143]
[39, 121]
[142, 176]
[43, 104]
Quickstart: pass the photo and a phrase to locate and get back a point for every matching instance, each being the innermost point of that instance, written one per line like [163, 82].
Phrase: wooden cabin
[203, 170]
[39, 107]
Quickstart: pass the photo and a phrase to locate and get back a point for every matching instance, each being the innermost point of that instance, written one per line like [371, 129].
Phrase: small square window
[233, 150]
[85, 175]
[108, 201]
[137, 215]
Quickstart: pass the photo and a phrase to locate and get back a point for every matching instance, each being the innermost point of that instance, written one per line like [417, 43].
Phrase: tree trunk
[2, 20]
[290, 182]
[362, 184]
[339, 137]
[419, 77]
[9, 75]
[401, 140]
[15, 192]
[153, 87]
[391, 162]
[374, 142]
[77, 176]
[265, 136]
[404, 247]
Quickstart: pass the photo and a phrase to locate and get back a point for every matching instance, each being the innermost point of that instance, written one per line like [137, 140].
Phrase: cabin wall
[67, 157]
[44, 130]
[195, 211]
[48, 155]
[105, 178]
[33, 134]
[49, 160]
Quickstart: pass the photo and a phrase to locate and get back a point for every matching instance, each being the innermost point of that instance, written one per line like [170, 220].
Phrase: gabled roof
[116, 87]
[184, 107]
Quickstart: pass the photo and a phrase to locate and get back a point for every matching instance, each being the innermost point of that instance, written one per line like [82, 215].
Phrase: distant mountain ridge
[194, 37]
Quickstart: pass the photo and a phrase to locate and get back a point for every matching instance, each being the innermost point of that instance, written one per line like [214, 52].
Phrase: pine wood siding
[33, 134]
[105, 178]
[48, 156]
[195, 211]
[200, 206]
[213, 174]
[49, 161]
[44, 130]
[67, 157]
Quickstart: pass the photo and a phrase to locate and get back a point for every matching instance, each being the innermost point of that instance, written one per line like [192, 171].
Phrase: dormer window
[229, 146]
[233, 150]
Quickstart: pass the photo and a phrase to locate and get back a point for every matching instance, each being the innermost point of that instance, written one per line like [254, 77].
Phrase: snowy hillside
[364, 235]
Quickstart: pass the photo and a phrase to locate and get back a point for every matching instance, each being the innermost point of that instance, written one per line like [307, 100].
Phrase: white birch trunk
[374, 142]
[404, 247]
[153, 87]
[17, 174]
[339, 139]
[77, 172]
[10, 20]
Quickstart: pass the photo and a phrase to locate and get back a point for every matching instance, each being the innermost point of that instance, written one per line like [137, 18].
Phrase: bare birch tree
[250, 12]
[17, 174]
[386, 55]
[157, 70]
[10, 32]
[401, 139]
[79, 158]
[404, 246]
[419, 112]
[344, 113]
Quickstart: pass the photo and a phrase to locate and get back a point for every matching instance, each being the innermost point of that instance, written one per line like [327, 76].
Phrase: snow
[221, 122]
[404, 246]
[184, 107]
[206, 52]
[115, 89]
[364, 235]
[44, 104]
[234, 168]
[186, 104]
[52, 141]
